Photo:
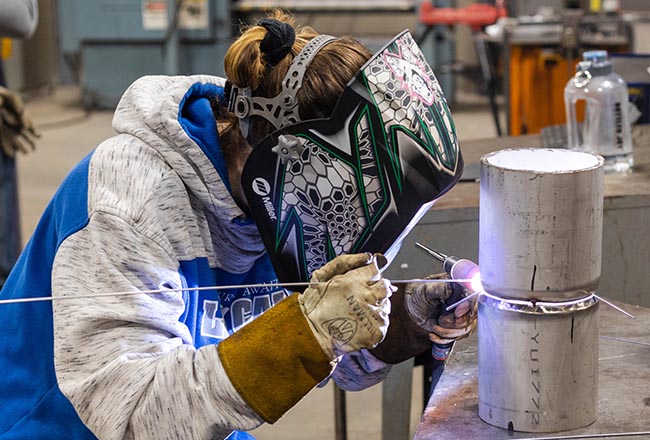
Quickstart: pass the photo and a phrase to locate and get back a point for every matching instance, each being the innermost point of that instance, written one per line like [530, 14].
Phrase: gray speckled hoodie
[149, 209]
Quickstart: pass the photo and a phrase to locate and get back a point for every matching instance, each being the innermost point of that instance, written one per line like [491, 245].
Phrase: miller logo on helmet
[261, 187]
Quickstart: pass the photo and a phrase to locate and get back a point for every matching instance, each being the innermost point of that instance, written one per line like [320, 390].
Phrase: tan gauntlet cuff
[275, 360]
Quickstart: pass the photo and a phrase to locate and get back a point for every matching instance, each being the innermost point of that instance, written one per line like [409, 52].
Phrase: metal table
[623, 394]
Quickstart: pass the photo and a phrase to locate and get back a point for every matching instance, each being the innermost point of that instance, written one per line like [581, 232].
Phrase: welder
[313, 173]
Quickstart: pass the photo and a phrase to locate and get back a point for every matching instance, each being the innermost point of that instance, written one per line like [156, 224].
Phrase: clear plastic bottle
[606, 129]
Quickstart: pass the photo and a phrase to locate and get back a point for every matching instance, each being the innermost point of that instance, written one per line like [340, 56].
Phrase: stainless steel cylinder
[538, 364]
[540, 228]
[540, 241]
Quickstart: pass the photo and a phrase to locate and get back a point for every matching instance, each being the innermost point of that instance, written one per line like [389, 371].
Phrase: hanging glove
[281, 355]
[17, 131]
[418, 318]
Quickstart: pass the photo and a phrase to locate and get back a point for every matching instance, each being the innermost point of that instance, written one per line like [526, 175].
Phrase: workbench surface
[629, 185]
[623, 394]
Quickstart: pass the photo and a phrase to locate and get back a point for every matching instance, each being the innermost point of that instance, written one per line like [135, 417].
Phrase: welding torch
[459, 269]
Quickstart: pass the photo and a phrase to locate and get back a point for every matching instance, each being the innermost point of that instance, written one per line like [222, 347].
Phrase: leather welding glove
[445, 327]
[281, 355]
[17, 131]
[418, 318]
[456, 324]
[350, 311]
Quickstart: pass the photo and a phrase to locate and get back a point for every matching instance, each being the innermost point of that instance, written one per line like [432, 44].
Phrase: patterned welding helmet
[361, 179]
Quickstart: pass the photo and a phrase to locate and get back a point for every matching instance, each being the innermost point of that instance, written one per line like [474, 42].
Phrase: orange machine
[537, 79]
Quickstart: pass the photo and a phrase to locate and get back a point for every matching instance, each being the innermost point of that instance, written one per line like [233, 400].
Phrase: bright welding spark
[475, 282]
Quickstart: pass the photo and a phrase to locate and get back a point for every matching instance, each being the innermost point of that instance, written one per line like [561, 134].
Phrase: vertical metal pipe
[540, 241]
[340, 416]
[540, 226]
[538, 369]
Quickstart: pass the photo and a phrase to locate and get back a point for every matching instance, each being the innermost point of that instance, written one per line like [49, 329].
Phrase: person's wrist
[324, 342]
[405, 337]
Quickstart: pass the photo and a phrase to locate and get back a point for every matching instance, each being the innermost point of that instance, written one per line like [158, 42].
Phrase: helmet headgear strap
[282, 109]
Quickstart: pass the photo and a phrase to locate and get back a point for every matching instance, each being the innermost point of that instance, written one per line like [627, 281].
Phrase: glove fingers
[17, 130]
[380, 314]
[11, 120]
[368, 276]
[379, 291]
[23, 144]
[437, 276]
[468, 308]
[462, 309]
[348, 307]
[28, 128]
[372, 270]
[438, 340]
[452, 328]
[450, 320]
[434, 292]
[428, 324]
[340, 265]
[32, 133]
[451, 333]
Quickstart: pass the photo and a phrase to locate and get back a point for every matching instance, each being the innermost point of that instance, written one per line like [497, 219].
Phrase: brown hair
[330, 70]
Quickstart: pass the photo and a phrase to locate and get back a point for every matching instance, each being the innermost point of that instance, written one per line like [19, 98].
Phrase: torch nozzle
[457, 268]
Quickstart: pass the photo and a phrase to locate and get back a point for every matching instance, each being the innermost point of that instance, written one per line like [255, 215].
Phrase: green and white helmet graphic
[361, 179]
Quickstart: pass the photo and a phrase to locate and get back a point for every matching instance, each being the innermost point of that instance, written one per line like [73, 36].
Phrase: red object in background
[476, 15]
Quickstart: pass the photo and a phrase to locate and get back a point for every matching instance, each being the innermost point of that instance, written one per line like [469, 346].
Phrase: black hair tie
[278, 40]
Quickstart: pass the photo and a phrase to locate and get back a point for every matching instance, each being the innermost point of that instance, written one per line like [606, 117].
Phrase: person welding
[222, 254]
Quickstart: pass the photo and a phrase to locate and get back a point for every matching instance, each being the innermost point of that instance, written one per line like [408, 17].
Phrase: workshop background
[503, 66]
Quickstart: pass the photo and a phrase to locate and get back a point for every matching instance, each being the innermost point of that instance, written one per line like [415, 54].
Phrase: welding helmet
[358, 180]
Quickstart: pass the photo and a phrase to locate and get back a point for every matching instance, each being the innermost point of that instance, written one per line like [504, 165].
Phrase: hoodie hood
[172, 114]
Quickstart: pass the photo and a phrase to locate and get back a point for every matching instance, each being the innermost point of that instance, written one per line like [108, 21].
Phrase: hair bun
[278, 41]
